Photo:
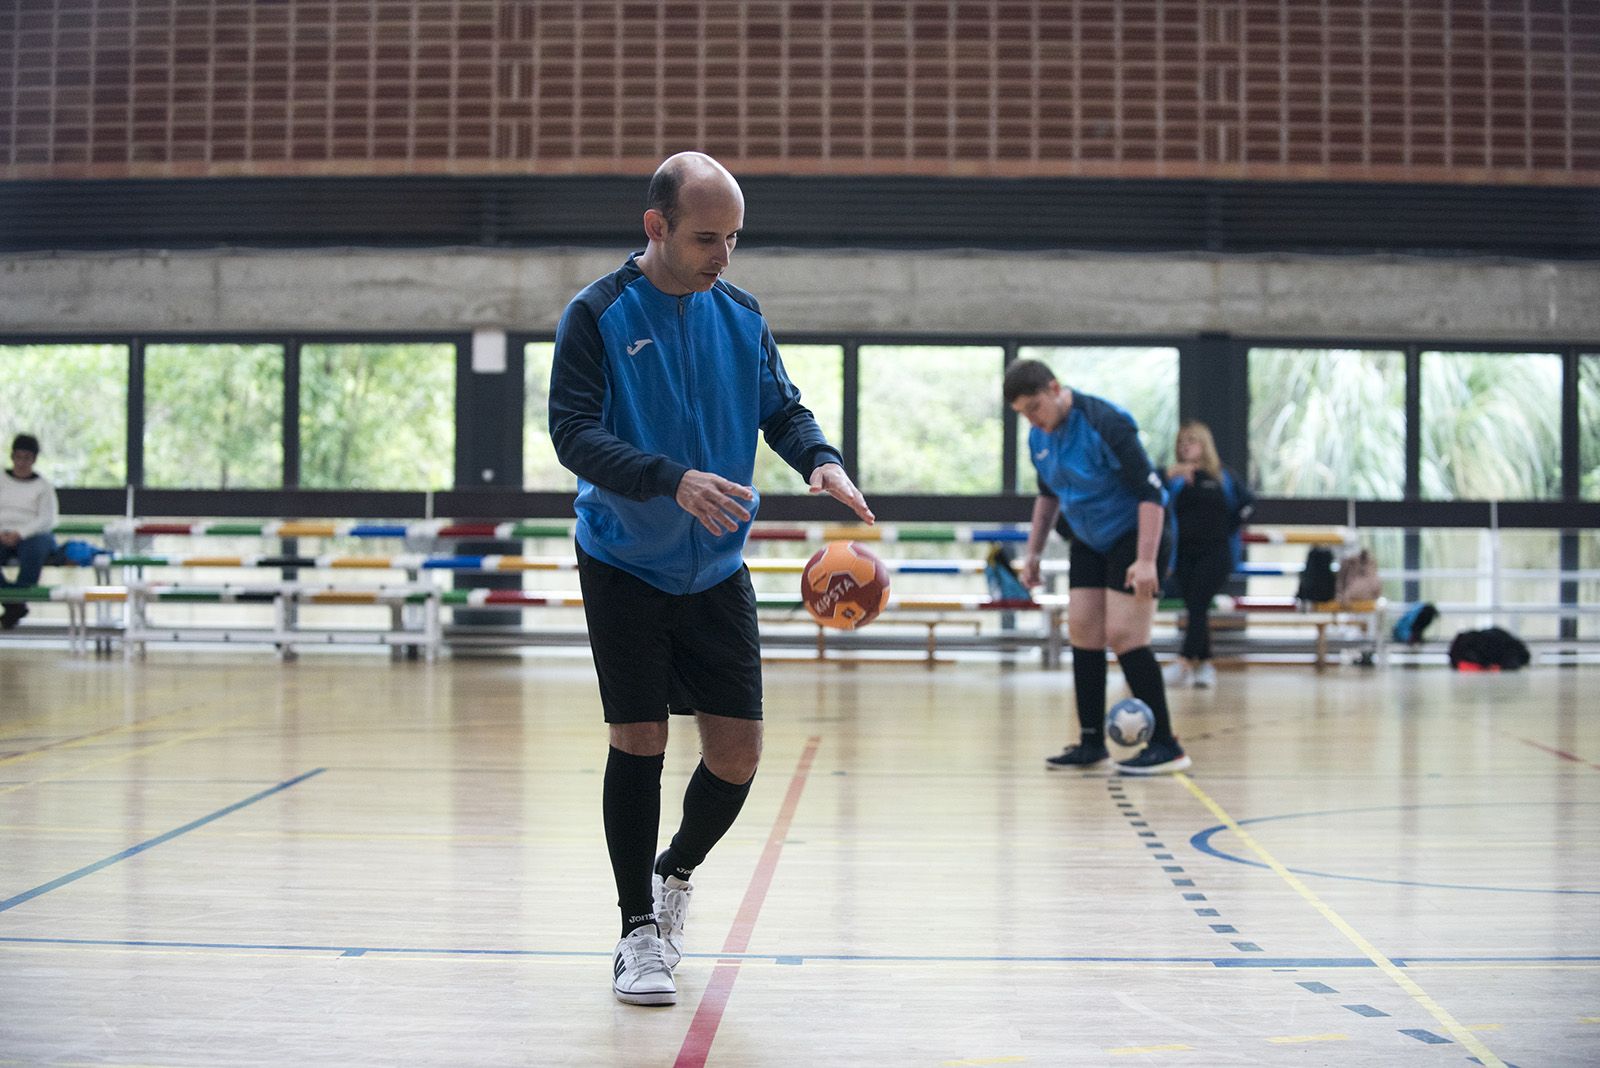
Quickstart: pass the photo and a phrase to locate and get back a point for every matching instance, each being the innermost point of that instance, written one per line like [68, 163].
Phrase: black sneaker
[1158, 758]
[1081, 756]
[13, 614]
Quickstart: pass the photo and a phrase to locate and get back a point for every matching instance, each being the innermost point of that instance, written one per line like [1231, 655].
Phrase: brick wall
[1426, 90]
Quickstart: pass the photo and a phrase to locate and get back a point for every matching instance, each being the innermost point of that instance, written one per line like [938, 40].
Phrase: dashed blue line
[1318, 988]
[1422, 1035]
[1366, 1010]
[1359, 963]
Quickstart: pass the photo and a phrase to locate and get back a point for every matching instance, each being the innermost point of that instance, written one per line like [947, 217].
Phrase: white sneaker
[640, 975]
[672, 913]
[1205, 676]
[1177, 674]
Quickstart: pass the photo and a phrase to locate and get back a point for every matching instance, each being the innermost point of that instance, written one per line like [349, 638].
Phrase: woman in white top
[28, 510]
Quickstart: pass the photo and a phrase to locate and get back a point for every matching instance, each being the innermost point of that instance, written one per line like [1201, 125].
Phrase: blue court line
[793, 958]
[53, 884]
[1201, 841]
[1429, 1037]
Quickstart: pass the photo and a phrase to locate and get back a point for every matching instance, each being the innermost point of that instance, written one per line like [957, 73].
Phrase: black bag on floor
[1492, 649]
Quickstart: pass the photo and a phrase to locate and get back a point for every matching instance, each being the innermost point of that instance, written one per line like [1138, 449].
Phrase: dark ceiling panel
[820, 212]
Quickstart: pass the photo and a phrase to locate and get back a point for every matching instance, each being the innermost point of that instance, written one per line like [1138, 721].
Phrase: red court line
[1558, 752]
[708, 1017]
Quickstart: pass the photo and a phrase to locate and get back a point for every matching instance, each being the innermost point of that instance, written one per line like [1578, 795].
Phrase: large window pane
[1143, 380]
[818, 370]
[1476, 567]
[74, 399]
[1305, 408]
[1491, 426]
[377, 416]
[540, 469]
[930, 419]
[1589, 426]
[213, 416]
[1589, 588]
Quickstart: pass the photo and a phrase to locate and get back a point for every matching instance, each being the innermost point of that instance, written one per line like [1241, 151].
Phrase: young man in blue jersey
[1097, 478]
[663, 375]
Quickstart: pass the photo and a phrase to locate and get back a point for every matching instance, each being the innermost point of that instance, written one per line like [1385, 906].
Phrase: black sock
[1089, 686]
[1139, 667]
[710, 805]
[632, 809]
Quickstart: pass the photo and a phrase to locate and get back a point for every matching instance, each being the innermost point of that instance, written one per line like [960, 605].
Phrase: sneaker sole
[1076, 767]
[660, 997]
[1180, 764]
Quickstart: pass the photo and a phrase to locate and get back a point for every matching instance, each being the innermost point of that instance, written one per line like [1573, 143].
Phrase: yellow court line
[179, 740]
[149, 693]
[1387, 966]
[93, 737]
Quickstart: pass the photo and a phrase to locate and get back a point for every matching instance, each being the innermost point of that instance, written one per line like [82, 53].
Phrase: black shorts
[657, 652]
[1091, 570]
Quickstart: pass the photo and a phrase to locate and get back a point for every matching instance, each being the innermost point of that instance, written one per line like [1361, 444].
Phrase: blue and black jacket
[1236, 498]
[647, 386]
[1094, 464]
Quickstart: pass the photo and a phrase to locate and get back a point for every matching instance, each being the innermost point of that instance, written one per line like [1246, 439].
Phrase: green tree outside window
[213, 416]
[1328, 423]
[1589, 426]
[74, 399]
[540, 468]
[930, 419]
[377, 416]
[1491, 426]
[818, 371]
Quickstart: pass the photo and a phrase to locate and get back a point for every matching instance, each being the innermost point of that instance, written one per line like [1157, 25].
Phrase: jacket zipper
[694, 422]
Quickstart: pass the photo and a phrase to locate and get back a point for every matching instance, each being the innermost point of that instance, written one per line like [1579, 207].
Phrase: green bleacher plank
[25, 593]
[920, 534]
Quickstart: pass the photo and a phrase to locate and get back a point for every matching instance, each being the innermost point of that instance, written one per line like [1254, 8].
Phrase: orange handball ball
[844, 586]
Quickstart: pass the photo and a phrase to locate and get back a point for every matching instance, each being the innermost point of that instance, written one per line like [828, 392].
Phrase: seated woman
[27, 517]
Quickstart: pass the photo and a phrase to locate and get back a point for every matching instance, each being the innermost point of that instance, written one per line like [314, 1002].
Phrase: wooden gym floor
[213, 858]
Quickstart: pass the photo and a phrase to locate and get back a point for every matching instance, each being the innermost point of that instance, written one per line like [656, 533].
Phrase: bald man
[663, 374]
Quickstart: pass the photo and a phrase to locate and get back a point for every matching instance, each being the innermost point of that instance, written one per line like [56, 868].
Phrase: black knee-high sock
[1089, 686]
[710, 805]
[1139, 667]
[632, 809]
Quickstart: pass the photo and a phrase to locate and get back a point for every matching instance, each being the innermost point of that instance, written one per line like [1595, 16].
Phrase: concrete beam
[848, 291]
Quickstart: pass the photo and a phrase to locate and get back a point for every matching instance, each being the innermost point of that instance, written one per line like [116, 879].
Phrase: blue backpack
[1410, 626]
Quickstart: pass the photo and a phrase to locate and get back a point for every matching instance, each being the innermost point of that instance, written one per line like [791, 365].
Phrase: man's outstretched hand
[831, 479]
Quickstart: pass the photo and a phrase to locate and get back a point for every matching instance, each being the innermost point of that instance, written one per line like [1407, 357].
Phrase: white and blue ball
[1130, 722]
